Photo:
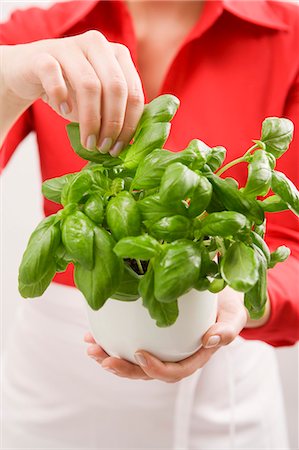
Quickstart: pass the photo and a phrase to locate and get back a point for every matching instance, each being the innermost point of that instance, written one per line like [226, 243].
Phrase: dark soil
[133, 264]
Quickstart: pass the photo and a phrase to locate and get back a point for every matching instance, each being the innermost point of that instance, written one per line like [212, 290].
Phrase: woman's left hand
[231, 319]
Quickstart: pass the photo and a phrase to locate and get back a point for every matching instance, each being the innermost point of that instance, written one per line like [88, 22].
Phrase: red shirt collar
[258, 12]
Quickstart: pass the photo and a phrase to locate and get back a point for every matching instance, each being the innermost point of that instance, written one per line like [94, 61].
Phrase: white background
[21, 210]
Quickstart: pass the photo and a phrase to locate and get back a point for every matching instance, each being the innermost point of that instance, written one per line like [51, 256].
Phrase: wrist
[8, 54]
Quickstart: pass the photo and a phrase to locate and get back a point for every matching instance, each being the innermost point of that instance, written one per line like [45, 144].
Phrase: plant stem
[140, 266]
[236, 161]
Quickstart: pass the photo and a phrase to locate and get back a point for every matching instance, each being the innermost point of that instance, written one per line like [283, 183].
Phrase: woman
[231, 64]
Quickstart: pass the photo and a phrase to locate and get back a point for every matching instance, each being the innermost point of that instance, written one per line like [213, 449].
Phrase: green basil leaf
[271, 159]
[239, 267]
[273, 203]
[100, 283]
[277, 134]
[94, 208]
[100, 177]
[176, 269]
[128, 288]
[216, 157]
[202, 284]
[165, 314]
[261, 244]
[215, 204]
[171, 228]
[62, 259]
[216, 285]
[78, 238]
[225, 223]
[232, 182]
[195, 155]
[261, 229]
[152, 209]
[200, 197]
[208, 267]
[52, 188]
[259, 175]
[286, 190]
[142, 247]
[150, 170]
[177, 183]
[123, 216]
[160, 109]
[279, 255]
[38, 287]
[148, 139]
[234, 200]
[255, 299]
[38, 267]
[77, 188]
[73, 132]
[117, 186]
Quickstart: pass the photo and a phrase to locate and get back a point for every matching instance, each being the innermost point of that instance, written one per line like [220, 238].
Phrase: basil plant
[154, 224]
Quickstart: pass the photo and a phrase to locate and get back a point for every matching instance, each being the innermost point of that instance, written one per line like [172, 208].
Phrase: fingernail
[86, 336]
[116, 149]
[109, 369]
[105, 145]
[91, 355]
[140, 359]
[213, 341]
[91, 142]
[64, 108]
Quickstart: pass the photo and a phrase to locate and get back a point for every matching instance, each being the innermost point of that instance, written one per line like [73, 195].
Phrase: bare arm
[11, 106]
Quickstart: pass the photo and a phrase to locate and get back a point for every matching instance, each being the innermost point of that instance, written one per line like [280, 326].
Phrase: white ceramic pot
[121, 328]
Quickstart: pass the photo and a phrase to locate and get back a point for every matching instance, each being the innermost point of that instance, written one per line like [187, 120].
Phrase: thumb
[231, 319]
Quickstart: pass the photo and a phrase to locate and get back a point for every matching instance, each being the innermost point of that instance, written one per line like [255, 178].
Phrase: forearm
[11, 106]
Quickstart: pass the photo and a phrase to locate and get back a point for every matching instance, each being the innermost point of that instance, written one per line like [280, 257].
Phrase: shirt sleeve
[283, 229]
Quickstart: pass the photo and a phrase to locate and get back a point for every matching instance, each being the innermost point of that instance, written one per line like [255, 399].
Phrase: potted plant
[155, 235]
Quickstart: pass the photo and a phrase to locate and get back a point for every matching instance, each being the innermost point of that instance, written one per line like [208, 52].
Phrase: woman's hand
[231, 319]
[84, 78]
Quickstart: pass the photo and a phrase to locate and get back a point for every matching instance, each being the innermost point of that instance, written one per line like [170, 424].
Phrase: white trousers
[56, 397]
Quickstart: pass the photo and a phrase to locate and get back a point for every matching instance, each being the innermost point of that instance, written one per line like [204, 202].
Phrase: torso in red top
[238, 65]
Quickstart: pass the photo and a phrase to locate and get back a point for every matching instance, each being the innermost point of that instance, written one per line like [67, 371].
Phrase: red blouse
[238, 65]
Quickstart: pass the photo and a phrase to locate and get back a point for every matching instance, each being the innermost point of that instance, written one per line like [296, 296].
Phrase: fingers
[173, 372]
[122, 99]
[114, 88]
[135, 100]
[48, 70]
[117, 366]
[231, 319]
[96, 352]
[148, 367]
[87, 79]
[124, 369]
[88, 337]
[87, 89]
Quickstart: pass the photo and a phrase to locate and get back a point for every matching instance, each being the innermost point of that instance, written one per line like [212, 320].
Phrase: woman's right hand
[84, 78]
